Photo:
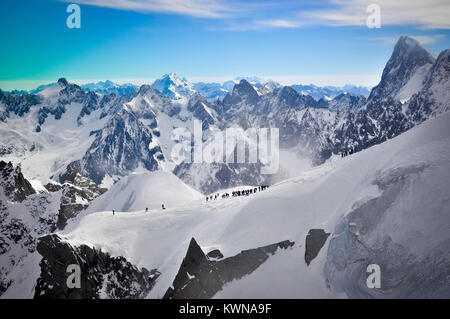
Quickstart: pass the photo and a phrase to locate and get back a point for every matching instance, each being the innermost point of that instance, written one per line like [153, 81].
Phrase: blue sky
[321, 42]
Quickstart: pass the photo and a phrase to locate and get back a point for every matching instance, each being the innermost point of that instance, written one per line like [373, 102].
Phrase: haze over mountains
[69, 144]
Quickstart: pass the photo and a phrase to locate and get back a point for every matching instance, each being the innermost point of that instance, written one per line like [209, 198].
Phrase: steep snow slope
[145, 189]
[385, 205]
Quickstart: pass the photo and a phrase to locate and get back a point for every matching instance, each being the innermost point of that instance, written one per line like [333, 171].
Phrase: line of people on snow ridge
[346, 153]
[216, 196]
[244, 192]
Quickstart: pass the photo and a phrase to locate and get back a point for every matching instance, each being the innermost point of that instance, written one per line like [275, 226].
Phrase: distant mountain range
[176, 87]
[114, 131]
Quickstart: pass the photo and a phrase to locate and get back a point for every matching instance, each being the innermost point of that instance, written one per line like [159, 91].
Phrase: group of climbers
[346, 153]
[238, 193]
[213, 197]
[247, 192]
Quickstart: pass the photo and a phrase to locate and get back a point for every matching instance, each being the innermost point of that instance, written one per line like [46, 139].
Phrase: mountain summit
[404, 72]
[173, 86]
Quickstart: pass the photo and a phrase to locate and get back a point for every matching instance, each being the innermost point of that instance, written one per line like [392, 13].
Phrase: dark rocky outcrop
[76, 194]
[76, 187]
[102, 276]
[214, 254]
[15, 186]
[201, 277]
[26, 215]
[315, 240]
[408, 56]
[119, 148]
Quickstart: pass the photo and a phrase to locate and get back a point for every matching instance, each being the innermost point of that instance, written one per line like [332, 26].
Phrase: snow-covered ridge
[404, 177]
[141, 190]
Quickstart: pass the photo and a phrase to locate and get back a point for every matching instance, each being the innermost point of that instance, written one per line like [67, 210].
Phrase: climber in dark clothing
[113, 212]
[162, 206]
[146, 209]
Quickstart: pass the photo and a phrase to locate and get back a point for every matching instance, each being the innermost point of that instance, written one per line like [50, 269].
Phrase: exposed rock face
[102, 276]
[201, 277]
[221, 175]
[315, 240]
[16, 242]
[76, 195]
[15, 186]
[407, 58]
[17, 104]
[434, 98]
[344, 102]
[202, 110]
[214, 254]
[243, 93]
[25, 215]
[119, 148]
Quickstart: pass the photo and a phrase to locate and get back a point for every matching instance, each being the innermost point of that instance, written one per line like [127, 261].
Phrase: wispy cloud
[196, 8]
[244, 15]
[261, 25]
[430, 14]
[433, 14]
[280, 23]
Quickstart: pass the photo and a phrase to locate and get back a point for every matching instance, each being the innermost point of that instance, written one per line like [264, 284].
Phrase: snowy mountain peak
[404, 72]
[242, 92]
[245, 89]
[62, 82]
[410, 51]
[173, 86]
[407, 44]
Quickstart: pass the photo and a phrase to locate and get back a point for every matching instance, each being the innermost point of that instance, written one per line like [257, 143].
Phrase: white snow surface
[318, 198]
[144, 189]
[414, 84]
